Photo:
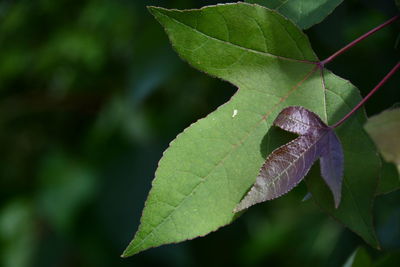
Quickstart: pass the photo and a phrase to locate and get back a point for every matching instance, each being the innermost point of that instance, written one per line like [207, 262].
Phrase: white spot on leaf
[235, 112]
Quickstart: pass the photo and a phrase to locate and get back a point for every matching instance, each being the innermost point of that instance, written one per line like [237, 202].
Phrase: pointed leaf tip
[289, 164]
[331, 163]
[157, 12]
[151, 8]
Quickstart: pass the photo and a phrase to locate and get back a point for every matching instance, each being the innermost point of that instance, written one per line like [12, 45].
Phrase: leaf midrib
[297, 159]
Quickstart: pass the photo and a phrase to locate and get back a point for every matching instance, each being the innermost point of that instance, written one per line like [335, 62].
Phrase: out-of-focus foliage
[359, 258]
[384, 129]
[91, 94]
[390, 179]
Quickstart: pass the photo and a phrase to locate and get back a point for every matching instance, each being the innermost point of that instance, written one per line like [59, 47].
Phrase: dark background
[91, 93]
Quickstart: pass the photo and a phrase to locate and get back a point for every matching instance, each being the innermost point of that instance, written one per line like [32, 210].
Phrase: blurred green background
[91, 93]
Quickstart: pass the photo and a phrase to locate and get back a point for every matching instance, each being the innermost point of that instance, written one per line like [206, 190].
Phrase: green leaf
[305, 13]
[384, 129]
[209, 167]
[359, 258]
[389, 180]
[361, 164]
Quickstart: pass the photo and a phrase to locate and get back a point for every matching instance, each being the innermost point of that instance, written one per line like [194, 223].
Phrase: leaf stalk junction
[321, 64]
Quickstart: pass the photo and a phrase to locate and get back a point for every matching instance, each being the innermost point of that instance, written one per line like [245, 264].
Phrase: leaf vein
[324, 91]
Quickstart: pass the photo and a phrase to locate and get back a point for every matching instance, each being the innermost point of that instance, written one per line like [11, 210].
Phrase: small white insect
[235, 112]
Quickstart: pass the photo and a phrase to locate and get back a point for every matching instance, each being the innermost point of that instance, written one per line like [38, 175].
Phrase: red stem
[322, 63]
[379, 85]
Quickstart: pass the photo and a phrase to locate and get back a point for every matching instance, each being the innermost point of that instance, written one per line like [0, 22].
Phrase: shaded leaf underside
[209, 167]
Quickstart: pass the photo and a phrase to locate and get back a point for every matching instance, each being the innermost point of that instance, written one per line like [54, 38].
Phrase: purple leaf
[299, 120]
[331, 163]
[286, 166]
[283, 170]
